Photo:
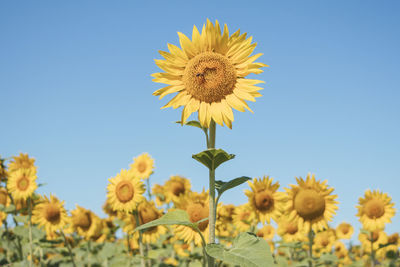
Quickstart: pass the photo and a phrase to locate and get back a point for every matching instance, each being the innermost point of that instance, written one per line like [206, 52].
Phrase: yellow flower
[267, 232]
[264, 199]
[244, 218]
[22, 162]
[4, 198]
[375, 210]
[324, 241]
[340, 249]
[3, 172]
[377, 237]
[85, 222]
[50, 214]
[142, 166]
[147, 213]
[22, 183]
[311, 204]
[182, 249]
[159, 193]
[344, 231]
[125, 191]
[197, 207]
[176, 186]
[208, 74]
[108, 210]
[289, 230]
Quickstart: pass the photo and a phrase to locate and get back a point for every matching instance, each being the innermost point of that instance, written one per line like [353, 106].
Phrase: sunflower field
[170, 224]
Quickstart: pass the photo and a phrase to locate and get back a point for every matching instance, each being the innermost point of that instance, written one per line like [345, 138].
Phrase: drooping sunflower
[176, 186]
[125, 191]
[109, 210]
[267, 232]
[51, 215]
[208, 73]
[197, 207]
[22, 183]
[264, 199]
[244, 218]
[375, 210]
[23, 161]
[85, 222]
[142, 166]
[344, 231]
[147, 213]
[311, 203]
[289, 230]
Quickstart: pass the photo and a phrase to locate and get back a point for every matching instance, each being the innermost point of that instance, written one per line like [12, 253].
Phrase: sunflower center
[198, 212]
[374, 208]
[177, 188]
[345, 228]
[324, 241]
[263, 201]
[3, 197]
[309, 204]
[124, 191]
[82, 220]
[52, 213]
[148, 215]
[291, 228]
[260, 234]
[243, 216]
[375, 236]
[23, 183]
[142, 166]
[209, 77]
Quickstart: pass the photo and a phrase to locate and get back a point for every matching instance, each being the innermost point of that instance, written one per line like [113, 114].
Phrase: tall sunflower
[51, 215]
[208, 73]
[23, 161]
[197, 207]
[311, 203]
[264, 199]
[125, 191]
[142, 166]
[22, 183]
[375, 210]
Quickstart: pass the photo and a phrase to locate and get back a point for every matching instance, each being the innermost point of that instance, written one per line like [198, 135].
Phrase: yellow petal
[187, 45]
[216, 113]
[191, 106]
[235, 102]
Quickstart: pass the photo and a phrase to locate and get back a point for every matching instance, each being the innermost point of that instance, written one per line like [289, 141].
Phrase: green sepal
[247, 250]
[212, 158]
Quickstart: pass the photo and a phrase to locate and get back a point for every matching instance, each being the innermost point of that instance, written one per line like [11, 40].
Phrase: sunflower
[197, 207]
[176, 186]
[182, 249]
[108, 210]
[377, 237]
[324, 241]
[344, 231]
[85, 222]
[4, 198]
[375, 210]
[125, 191]
[147, 213]
[142, 166]
[267, 232]
[340, 249]
[264, 199]
[244, 218]
[158, 192]
[208, 74]
[50, 214]
[22, 183]
[3, 172]
[310, 203]
[289, 230]
[23, 161]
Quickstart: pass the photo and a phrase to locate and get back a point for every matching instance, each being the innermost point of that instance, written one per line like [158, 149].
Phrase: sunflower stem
[310, 240]
[141, 247]
[148, 188]
[30, 230]
[212, 211]
[69, 248]
[372, 250]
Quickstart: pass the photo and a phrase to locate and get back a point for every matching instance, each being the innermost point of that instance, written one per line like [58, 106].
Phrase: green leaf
[192, 123]
[222, 186]
[21, 219]
[9, 209]
[212, 157]
[247, 250]
[177, 217]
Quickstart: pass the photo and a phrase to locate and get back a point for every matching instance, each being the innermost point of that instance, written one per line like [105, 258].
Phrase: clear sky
[76, 94]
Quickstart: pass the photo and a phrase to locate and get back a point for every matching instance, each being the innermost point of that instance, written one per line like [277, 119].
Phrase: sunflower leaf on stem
[176, 217]
[212, 158]
[222, 186]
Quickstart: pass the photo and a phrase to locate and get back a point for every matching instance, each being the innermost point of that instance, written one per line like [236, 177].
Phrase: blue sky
[76, 94]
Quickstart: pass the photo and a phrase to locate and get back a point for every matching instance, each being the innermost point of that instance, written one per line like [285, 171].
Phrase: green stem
[205, 256]
[148, 188]
[30, 230]
[141, 248]
[310, 239]
[21, 256]
[372, 250]
[212, 211]
[69, 248]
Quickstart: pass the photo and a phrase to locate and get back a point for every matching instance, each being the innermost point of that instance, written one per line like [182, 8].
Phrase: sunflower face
[244, 217]
[125, 191]
[264, 199]
[22, 183]
[22, 162]
[175, 187]
[147, 213]
[208, 74]
[375, 210]
[289, 230]
[50, 214]
[344, 231]
[142, 166]
[267, 232]
[311, 203]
